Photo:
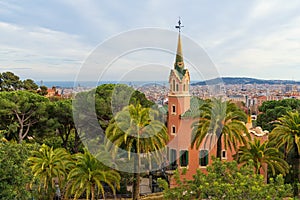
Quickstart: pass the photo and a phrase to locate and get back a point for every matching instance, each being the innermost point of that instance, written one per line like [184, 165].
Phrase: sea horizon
[89, 84]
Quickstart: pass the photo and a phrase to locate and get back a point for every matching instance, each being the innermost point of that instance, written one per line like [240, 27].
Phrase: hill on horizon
[243, 80]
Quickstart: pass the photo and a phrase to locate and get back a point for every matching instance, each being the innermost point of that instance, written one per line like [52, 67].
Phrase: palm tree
[48, 164]
[220, 120]
[287, 133]
[89, 174]
[136, 130]
[262, 154]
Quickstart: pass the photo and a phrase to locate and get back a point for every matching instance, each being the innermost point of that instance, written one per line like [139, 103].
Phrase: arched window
[173, 85]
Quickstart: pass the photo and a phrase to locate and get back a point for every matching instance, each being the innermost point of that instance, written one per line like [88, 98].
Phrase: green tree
[287, 134]
[225, 180]
[9, 82]
[89, 174]
[270, 111]
[20, 111]
[98, 106]
[136, 130]
[30, 85]
[220, 120]
[61, 113]
[42, 90]
[112, 98]
[15, 175]
[48, 164]
[262, 155]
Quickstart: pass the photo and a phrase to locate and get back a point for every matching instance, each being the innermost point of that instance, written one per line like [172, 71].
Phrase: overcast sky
[50, 40]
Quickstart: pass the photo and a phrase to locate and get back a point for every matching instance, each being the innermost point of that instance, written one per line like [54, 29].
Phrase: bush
[225, 180]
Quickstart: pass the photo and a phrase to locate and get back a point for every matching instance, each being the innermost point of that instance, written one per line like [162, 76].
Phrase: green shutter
[187, 158]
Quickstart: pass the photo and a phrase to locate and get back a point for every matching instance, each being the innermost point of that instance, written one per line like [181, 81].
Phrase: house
[179, 122]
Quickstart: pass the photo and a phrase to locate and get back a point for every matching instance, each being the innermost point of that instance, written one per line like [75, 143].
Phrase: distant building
[52, 92]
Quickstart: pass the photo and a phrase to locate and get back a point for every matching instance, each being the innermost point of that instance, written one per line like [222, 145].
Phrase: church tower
[178, 103]
[179, 95]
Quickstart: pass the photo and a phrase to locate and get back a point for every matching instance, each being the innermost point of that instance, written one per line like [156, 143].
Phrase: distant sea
[90, 84]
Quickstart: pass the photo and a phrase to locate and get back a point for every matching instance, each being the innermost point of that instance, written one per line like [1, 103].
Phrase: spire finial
[179, 25]
[179, 65]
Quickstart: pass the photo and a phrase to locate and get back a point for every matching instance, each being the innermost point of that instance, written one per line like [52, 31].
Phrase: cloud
[242, 38]
[40, 49]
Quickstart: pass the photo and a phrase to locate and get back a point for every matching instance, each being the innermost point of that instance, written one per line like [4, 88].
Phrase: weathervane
[179, 25]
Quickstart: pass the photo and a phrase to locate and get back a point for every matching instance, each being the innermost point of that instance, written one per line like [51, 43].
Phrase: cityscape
[154, 100]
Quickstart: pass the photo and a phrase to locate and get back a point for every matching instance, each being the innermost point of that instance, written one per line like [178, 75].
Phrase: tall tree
[270, 111]
[136, 130]
[48, 164]
[61, 113]
[262, 155]
[42, 90]
[15, 175]
[287, 133]
[112, 98]
[89, 174]
[9, 82]
[21, 110]
[30, 85]
[220, 122]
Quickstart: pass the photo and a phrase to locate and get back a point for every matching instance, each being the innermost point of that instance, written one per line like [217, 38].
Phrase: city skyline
[50, 40]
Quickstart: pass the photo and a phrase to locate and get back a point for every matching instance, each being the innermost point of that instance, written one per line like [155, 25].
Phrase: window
[183, 87]
[203, 158]
[173, 109]
[173, 157]
[224, 156]
[173, 85]
[184, 158]
[177, 88]
[173, 129]
[187, 83]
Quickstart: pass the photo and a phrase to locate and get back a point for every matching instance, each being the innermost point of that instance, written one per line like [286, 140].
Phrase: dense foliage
[15, 175]
[264, 156]
[225, 180]
[20, 112]
[30, 170]
[287, 134]
[137, 131]
[220, 121]
[10, 82]
[270, 111]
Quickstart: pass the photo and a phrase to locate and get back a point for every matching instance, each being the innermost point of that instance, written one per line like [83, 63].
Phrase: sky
[53, 40]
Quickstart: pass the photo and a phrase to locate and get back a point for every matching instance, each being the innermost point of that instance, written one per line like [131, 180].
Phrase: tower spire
[179, 65]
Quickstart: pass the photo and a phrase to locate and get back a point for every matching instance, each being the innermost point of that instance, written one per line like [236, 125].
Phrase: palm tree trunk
[136, 186]
[93, 192]
[219, 147]
[136, 180]
[296, 169]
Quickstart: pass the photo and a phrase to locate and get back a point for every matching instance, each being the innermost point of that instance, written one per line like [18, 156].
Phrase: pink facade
[180, 152]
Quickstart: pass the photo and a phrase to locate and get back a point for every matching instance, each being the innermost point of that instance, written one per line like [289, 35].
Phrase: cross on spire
[179, 25]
